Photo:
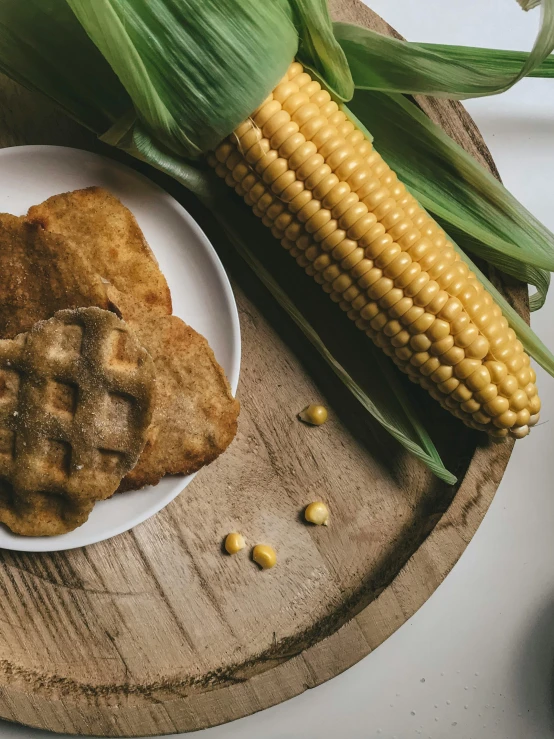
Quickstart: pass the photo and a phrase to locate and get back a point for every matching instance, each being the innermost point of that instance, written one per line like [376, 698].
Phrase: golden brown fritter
[108, 234]
[41, 273]
[195, 414]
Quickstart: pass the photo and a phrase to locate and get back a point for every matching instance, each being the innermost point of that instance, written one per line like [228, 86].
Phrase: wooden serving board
[157, 631]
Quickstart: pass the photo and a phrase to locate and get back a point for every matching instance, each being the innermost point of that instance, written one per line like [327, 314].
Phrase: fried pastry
[107, 233]
[76, 400]
[41, 273]
[195, 414]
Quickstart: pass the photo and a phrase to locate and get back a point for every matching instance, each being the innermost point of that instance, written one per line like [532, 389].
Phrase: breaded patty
[108, 234]
[41, 273]
[195, 414]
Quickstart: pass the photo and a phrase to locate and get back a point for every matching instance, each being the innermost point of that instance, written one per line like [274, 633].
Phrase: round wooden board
[157, 631]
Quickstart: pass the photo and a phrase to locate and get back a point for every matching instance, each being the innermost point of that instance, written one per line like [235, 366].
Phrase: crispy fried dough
[40, 273]
[108, 234]
[76, 400]
[195, 414]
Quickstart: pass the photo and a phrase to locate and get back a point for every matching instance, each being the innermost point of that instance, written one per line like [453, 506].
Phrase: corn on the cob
[341, 212]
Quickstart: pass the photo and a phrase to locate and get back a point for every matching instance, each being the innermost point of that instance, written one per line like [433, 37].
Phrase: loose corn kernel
[265, 556]
[317, 513]
[234, 542]
[314, 414]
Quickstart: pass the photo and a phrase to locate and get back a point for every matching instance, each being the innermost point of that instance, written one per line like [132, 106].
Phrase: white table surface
[477, 661]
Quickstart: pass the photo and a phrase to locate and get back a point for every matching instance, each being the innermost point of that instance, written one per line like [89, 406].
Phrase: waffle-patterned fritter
[109, 236]
[76, 400]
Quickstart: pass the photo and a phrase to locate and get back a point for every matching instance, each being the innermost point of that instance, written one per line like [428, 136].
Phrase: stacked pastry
[101, 387]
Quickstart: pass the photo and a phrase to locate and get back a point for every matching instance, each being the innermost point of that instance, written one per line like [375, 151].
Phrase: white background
[477, 661]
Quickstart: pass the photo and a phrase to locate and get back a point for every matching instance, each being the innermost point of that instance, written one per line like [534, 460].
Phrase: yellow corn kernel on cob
[341, 212]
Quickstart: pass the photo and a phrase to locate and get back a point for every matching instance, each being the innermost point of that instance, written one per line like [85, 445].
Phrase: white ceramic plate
[200, 290]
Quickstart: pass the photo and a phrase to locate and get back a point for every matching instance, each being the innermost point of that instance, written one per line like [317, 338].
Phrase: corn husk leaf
[529, 4]
[388, 64]
[458, 191]
[173, 59]
[492, 62]
[319, 50]
[204, 97]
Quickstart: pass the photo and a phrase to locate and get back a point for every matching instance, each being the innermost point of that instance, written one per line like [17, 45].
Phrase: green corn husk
[388, 64]
[134, 72]
[208, 49]
[490, 61]
[529, 4]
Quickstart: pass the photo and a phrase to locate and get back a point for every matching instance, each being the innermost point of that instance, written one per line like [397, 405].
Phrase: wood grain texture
[157, 631]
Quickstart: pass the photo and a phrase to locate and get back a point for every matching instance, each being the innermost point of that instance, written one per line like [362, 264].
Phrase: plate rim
[55, 544]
